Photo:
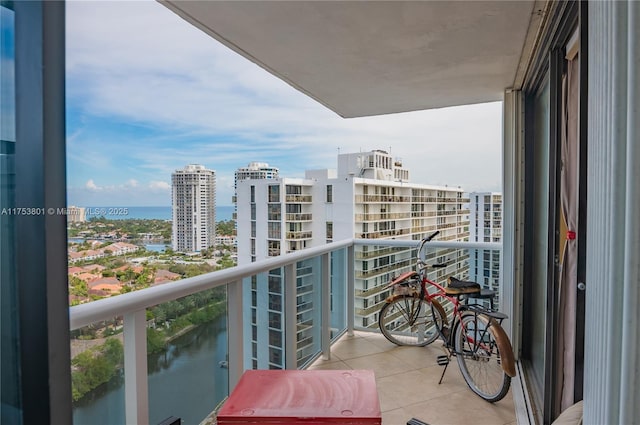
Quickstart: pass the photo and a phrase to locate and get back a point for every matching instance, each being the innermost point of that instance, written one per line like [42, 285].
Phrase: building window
[275, 338]
[275, 302]
[274, 230]
[274, 193]
[274, 212]
[275, 284]
[329, 193]
[274, 248]
[253, 194]
[329, 230]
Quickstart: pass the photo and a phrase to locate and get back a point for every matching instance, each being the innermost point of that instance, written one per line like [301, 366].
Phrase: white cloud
[174, 78]
[92, 186]
[158, 185]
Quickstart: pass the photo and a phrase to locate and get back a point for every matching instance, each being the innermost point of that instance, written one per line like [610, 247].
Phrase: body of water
[223, 212]
[186, 381]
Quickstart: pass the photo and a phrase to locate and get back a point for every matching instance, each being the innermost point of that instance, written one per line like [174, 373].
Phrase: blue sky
[147, 93]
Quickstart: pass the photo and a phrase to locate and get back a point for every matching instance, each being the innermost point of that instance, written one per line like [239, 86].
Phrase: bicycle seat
[458, 287]
[484, 294]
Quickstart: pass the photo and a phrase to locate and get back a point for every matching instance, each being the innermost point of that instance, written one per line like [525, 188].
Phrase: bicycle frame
[473, 333]
[459, 307]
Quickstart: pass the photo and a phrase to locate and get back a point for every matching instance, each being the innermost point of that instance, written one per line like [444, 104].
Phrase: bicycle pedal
[443, 360]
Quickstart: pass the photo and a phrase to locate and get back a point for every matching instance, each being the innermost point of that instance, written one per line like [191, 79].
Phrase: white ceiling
[363, 58]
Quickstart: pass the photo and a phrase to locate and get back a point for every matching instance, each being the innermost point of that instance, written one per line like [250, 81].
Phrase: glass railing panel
[187, 356]
[375, 266]
[338, 293]
[309, 275]
[97, 374]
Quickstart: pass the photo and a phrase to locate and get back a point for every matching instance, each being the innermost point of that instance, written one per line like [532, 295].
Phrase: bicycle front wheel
[479, 358]
[409, 321]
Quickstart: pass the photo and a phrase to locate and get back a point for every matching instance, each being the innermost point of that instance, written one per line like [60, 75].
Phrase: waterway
[186, 381]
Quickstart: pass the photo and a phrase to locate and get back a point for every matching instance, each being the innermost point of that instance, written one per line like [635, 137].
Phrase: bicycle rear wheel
[479, 358]
[409, 321]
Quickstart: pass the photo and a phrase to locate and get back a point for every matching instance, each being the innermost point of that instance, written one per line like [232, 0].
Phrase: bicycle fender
[433, 302]
[402, 278]
[504, 346]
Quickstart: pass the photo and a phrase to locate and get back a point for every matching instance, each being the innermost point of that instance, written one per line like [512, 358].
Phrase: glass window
[329, 230]
[329, 193]
[274, 212]
[274, 193]
[11, 405]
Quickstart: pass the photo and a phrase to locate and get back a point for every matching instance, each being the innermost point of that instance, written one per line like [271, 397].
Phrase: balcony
[407, 381]
[317, 332]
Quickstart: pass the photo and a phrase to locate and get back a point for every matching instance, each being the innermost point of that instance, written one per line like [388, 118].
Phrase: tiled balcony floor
[407, 380]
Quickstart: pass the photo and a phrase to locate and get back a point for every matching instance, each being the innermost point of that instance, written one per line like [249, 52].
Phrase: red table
[303, 397]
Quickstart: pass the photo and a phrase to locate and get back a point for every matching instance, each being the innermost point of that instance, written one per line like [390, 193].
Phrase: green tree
[78, 287]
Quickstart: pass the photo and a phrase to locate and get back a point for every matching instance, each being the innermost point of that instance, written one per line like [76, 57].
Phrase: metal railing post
[351, 292]
[235, 328]
[136, 387]
[325, 294]
[290, 315]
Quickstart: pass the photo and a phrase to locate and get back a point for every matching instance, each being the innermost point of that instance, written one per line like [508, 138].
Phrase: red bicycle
[415, 314]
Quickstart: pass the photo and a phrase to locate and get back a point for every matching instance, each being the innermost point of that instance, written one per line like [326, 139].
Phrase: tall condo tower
[193, 201]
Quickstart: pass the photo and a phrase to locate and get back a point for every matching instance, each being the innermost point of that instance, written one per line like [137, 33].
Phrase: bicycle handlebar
[433, 235]
[421, 265]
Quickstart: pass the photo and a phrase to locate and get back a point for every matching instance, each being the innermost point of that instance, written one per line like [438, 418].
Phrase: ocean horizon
[223, 212]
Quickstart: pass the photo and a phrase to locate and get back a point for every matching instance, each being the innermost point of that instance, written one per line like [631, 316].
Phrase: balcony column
[136, 384]
[612, 319]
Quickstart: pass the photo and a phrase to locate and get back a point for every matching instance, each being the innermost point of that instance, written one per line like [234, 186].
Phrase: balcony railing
[323, 320]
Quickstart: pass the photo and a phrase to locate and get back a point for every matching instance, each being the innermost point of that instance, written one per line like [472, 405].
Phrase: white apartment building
[368, 196]
[485, 219]
[485, 216]
[76, 214]
[256, 171]
[193, 201]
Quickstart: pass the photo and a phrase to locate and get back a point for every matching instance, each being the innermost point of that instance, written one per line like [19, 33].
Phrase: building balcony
[299, 217]
[381, 216]
[298, 199]
[382, 199]
[298, 235]
[407, 381]
[325, 336]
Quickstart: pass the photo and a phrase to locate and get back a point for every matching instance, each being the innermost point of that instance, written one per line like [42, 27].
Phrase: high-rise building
[193, 201]
[256, 171]
[76, 214]
[485, 216]
[485, 225]
[253, 171]
[368, 196]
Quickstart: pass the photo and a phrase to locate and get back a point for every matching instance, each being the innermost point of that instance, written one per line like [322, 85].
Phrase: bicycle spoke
[408, 321]
[479, 359]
